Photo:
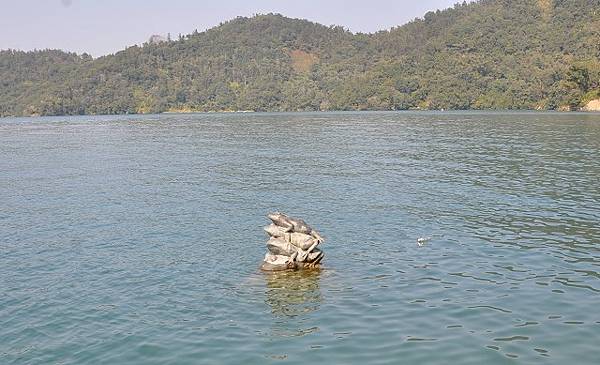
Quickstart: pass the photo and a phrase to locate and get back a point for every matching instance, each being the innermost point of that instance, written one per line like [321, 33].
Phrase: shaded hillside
[493, 54]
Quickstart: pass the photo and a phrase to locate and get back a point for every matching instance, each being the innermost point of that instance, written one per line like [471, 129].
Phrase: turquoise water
[135, 240]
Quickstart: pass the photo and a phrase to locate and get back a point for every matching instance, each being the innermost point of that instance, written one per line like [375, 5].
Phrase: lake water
[136, 239]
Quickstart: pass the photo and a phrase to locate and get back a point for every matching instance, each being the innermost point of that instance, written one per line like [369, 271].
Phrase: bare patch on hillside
[546, 8]
[302, 61]
[592, 106]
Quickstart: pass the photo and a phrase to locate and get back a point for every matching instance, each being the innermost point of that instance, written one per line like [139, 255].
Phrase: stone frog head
[281, 220]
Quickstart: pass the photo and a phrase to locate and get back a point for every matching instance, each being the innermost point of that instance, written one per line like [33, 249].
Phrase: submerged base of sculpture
[281, 263]
[292, 245]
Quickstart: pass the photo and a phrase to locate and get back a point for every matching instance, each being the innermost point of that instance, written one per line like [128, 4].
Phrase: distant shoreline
[225, 112]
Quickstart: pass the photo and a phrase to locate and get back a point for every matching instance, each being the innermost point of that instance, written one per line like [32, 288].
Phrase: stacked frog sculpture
[292, 244]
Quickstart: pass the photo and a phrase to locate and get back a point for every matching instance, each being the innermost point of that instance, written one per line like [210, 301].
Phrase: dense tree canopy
[492, 54]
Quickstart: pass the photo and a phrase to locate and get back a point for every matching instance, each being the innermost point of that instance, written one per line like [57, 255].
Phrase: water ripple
[136, 239]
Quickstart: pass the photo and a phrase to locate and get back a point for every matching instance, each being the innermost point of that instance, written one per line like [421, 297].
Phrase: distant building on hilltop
[156, 38]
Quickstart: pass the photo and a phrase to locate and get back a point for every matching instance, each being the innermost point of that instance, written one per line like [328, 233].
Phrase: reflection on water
[292, 295]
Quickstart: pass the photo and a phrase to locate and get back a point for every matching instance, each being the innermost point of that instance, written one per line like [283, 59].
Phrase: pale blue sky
[100, 27]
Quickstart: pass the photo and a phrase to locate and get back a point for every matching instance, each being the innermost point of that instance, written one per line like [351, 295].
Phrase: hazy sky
[100, 27]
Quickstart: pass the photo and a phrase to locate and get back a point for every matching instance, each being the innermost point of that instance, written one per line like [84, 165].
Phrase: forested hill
[492, 54]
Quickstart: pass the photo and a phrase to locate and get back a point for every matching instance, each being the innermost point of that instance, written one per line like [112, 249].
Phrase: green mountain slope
[492, 54]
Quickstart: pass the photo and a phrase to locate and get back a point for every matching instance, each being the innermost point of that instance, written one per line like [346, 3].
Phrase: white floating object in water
[422, 240]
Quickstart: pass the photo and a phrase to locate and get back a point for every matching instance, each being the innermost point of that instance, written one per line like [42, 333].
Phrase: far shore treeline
[492, 54]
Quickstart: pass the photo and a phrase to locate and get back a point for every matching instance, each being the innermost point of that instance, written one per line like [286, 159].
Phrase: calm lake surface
[136, 239]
